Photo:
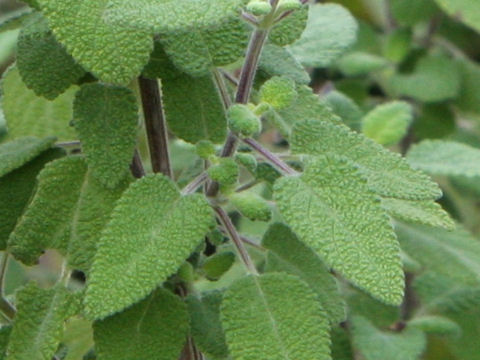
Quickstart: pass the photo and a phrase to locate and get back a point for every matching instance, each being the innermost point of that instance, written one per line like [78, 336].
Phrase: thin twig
[237, 241]
[245, 240]
[6, 308]
[136, 166]
[229, 77]
[270, 157]
[156, 125]
[247, 186]
[192, 186]
[219, 80]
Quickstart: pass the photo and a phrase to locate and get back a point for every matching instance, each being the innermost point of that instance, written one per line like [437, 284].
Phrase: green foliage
[437, 325]
[243, 121]
[468, 11]
[225, 172]
[217, 265]
[291, 327]
[286, 32]
[252, 206]
[278, 61]
[360, 63]
[154, 328]
[152, 230]
[278, 92]
[106, 118]
[318, 207]
[38, 116]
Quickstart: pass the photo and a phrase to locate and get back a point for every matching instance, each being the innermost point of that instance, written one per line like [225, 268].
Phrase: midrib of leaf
[271, 317]
[76, 211]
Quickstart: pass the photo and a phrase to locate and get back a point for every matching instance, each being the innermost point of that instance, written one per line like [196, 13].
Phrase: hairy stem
[270, 157]
[236, 239]
[156, 125]
[191, 187]
[6, 308]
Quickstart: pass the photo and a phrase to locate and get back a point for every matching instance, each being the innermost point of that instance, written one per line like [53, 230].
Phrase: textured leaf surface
[278, 61]
[206, 327]
[16, 153]
[5, 332]
[388, 174]
[16, 190]
[155, 328]
[345, 108]
[374, 344]
[43, 63]
[153, 229]
[435, 324]
[448, 158]
[290, 28]
[387, 124]
[37, 116]
[330, 30]
[39, 322]
[467, 11]
[78, 338]
[290, 255]
[69, 210]
[194, 109]
[111, 52]
[425, 212]
[106, 119]
[454, 254]
[290, 326]
[332, 210]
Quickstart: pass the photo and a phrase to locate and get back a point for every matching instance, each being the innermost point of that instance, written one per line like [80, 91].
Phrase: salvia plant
[244, 180]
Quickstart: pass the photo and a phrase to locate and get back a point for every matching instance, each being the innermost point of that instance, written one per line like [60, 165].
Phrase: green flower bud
[243, 121]
[205, 149]
[186, 272]
[278, 92]
[248, 161]
[259, 8]
[252, 206]
[217, 265]
[225, 172]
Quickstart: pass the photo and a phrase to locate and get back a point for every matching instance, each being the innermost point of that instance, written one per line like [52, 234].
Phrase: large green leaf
[387, 173]
[77, 338]
[36, 116]
[69, 210]
[16, 189]
[39, 322]
[375, 344]
[332, 210]
[330, 31]
[155, 328]
[110, 51]
[265, 319]
[105, 118]
[276, 60]
[153, 229]
[439, 157]
[467, 11]
[194, 108]
[287, 253]
[43, 63]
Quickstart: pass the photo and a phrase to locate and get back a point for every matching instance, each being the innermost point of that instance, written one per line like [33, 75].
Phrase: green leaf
[449, 158]
[435, 79]
[375, 344]
[356, 241]
[16, 190]
[160, 66]
[290, 28]
[252, 206]
[330, 31]
[113, 53]
[39, 322]
[77, 338]
[194, 109]
[454, 254]
[388, 123]
[37, 116]
[278, 92]
[345, 108]
[218, 264]
[467, 101]
[206, 328]
[360, 63]
[434, 324]
[68, 211]
[44, 65]
[467, 11]
[17, 153]
[426, 212]
[388, 174]
[435, 121]
[105, 118]
[14, 19]
[157, 328]
[152, 230]
[411, 12]
[278, 61]
[5, 332]
[288, 253]
[265, 318]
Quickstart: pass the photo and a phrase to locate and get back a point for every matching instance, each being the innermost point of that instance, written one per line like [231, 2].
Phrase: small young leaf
[225, 173]
[289, 254]
[387, 173]
[113, 53]
[252, 206]
[278, 61]
[426, 212]
[68, 211]
[360, 63]
[218, 264]
[205, 324]
[105, 118]
[374, 344]
[194, 109]
[37, 116]
[279, 92]
[39, 322]
[411, 12]
[291, 28]
[338, 29]
[153, 229]
[37, 45]
[449, 158]
[243, 121]
[265, 319]
[345, 108]
[467, 11]
[388, 123]
[156, 328]
[434, 324]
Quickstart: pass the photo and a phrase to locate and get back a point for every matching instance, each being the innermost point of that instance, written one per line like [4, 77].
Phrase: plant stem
[136, 166]
[236, 239]
[191, 187]
[6, 308]
[270, 157]
[219, 79]
[156, 126]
